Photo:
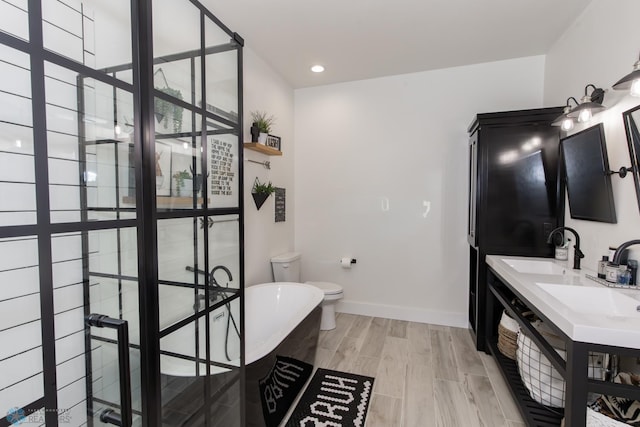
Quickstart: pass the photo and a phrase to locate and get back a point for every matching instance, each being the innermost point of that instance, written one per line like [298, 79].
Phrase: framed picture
[163, 169]
[273, 142]
[280, 204]
[223, 171]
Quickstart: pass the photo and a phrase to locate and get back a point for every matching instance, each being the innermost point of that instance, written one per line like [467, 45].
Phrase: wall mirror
[631, 122]
[586, 167]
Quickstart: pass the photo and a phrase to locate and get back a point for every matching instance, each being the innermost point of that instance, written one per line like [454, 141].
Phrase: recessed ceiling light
[317, 68]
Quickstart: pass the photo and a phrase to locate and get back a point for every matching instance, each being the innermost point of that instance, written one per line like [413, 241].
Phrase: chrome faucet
[577, 255]
[618, 253]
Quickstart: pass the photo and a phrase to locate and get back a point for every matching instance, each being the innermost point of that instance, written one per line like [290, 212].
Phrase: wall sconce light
[588, 104]
[631, 81]
[565, 122]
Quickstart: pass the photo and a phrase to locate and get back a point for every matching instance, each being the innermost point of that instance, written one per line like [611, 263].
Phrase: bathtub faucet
[213, 283]
[214, 287]
[212, 279]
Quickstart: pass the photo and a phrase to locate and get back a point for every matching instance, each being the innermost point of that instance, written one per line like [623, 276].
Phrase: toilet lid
[328, 287]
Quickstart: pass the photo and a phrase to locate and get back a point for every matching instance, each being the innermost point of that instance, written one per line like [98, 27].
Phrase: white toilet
[286, 268]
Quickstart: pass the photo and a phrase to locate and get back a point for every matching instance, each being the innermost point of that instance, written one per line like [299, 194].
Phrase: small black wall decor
[280, 204]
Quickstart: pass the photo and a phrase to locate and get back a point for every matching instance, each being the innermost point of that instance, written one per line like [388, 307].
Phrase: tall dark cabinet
[515, 196]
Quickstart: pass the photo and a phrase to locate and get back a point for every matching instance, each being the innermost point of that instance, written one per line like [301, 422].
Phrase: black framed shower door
[121, 225]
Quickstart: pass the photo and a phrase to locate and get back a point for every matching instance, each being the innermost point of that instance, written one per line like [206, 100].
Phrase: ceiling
[361, 39]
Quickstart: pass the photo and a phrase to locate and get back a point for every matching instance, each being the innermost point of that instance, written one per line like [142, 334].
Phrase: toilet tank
[286, 267]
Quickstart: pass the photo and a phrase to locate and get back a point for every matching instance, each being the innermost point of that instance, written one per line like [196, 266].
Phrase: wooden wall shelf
[262, 149]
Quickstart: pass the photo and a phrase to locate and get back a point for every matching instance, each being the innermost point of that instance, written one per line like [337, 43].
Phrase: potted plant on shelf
[184, 183]
[262, 124]
[261, 192]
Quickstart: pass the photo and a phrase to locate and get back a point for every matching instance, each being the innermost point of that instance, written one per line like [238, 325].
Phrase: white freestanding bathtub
[272, 312]
[282, 325]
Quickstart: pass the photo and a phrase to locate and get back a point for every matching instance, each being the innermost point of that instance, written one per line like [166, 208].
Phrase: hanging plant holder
[259, 199]
[261, 192]
[166, 112]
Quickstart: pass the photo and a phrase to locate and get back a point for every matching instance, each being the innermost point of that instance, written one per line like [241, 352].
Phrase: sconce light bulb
[117, 130]
[185, 145]
[567, 125]
[585, 116]
[635, 88]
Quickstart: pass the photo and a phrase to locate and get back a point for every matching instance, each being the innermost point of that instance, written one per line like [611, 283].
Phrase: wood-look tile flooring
[425, 375]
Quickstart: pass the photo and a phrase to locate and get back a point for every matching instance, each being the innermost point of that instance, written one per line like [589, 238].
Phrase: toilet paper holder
[352, 261]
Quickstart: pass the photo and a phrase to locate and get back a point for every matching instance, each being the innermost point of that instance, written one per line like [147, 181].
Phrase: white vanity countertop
[609, 327]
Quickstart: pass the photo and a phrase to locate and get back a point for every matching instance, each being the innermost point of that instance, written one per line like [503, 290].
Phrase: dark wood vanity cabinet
[515, 196]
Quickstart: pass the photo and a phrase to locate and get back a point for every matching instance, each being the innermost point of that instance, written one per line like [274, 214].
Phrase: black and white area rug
[333, 398]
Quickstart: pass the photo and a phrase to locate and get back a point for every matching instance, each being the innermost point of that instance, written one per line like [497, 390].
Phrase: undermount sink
[592, 300]
[534, 266]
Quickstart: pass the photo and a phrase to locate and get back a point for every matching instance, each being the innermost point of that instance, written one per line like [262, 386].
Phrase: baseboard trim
[412, 314]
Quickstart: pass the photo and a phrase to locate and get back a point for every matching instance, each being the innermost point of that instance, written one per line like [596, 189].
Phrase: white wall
[381, 175]
[265, 90]
[601, 47]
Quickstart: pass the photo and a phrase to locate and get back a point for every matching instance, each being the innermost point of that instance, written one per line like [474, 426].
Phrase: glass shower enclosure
[121, 225]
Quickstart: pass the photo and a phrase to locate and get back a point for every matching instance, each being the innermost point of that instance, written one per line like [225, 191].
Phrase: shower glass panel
[171, 17]
[224, 251]
[178, 158]
[94, 33]
[102, 280]
[113, 283]
[184, 370]
[17, 174]
[197, 106]
[222, 84]
[180, 284]
[179, 78]
[21, 379]
[14, 18]
[90, 180]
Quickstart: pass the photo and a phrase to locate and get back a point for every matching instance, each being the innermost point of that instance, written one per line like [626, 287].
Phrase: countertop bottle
[632, 265]
[602, 267]
[624, 275]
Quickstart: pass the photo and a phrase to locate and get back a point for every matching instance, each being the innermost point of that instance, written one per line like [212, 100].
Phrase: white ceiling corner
[361, 39]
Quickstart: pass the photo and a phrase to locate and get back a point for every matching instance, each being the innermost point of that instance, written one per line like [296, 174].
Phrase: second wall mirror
[631, 121]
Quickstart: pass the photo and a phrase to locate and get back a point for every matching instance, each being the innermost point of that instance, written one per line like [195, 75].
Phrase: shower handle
[124, 419]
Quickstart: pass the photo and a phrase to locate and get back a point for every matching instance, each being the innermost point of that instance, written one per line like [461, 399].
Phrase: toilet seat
[327, 287]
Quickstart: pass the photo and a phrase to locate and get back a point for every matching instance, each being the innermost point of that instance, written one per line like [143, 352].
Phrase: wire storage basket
[545, 384]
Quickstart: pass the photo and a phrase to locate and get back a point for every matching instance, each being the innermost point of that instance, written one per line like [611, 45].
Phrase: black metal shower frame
[143, 93]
